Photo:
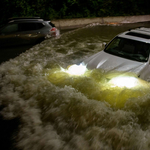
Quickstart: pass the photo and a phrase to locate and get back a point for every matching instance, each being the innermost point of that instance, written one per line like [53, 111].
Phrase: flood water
[43, 107]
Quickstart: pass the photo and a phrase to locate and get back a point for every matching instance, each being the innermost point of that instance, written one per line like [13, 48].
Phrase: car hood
[110, 62]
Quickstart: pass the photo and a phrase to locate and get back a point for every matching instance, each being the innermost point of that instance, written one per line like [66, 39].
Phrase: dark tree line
[56, 9]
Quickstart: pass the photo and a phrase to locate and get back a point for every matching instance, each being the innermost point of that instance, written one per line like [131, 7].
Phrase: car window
[10, 29]
[39, 25]
[27, 26]
[130, 49]
[30, 26]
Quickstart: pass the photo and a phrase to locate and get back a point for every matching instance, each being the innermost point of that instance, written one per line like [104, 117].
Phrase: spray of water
[58, 111]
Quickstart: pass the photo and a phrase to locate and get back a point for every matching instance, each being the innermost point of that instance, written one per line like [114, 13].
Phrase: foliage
[55, 9]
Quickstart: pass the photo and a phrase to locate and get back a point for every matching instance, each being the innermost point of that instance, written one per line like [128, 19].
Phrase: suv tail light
[53, 31]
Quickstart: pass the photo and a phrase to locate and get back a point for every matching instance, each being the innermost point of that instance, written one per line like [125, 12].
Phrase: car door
[8, 35]
[28, 33]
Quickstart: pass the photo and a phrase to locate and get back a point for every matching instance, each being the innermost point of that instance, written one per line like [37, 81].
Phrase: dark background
[56, 9]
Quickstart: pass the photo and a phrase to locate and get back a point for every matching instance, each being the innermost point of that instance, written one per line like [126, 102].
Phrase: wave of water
[57, 111]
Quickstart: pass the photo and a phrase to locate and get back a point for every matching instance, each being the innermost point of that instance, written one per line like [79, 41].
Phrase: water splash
[101, 86]
[57, 110]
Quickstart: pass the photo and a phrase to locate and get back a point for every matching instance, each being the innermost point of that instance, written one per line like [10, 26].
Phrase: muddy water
[44, 107]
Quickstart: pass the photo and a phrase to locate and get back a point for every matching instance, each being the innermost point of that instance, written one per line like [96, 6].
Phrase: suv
[21, 31]
[127, 52]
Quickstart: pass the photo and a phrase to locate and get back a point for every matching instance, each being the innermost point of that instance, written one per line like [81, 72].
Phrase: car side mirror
[105, 44]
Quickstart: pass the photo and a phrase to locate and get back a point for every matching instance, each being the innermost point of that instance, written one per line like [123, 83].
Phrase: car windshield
[130, 49]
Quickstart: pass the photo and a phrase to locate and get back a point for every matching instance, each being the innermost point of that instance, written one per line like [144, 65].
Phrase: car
[127, 52]
[30, 30]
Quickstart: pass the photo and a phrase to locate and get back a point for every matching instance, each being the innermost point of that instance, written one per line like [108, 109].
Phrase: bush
[55, 9]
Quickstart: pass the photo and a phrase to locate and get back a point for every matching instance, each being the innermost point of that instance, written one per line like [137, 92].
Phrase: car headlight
[125, 81]
[76, 69]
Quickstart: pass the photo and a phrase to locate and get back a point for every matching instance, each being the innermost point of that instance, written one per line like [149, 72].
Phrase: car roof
[139, 34]
[24, 19]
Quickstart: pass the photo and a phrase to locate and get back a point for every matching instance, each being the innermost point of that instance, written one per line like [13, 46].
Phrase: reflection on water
[56, 110]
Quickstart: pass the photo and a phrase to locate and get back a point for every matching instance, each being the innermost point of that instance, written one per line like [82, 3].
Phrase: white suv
[127, 52]
[21, 31]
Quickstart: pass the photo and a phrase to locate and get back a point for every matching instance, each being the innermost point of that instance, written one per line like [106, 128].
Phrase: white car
[127, 52]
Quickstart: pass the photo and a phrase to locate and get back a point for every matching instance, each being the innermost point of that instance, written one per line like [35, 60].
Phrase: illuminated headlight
[125, 81]
[77, 69]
